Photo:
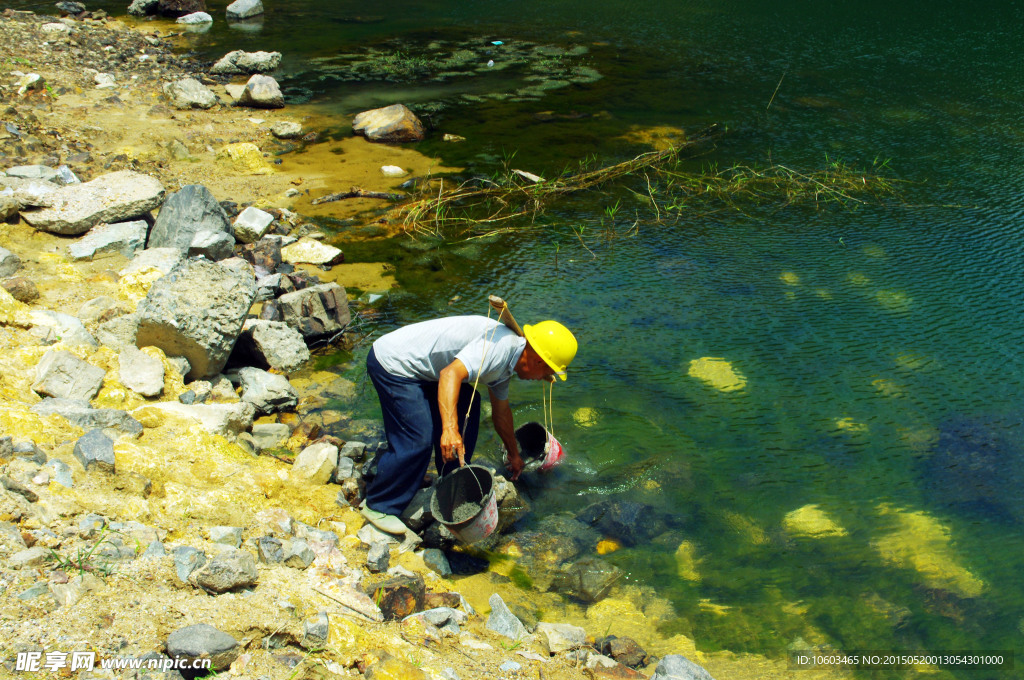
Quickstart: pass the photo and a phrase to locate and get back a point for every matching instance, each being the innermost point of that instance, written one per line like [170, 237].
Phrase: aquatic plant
[660, 181]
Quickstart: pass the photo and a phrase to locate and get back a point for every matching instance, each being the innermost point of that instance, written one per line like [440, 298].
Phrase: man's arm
[448, 387]
[501, 417]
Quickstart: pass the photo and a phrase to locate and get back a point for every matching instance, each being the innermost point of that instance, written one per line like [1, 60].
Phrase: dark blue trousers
[412, 425]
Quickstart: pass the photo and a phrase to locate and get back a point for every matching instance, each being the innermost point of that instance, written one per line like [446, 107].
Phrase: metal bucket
[470, 484]
[538, 447]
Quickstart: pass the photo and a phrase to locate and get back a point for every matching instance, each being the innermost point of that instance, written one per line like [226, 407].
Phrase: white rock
[114, 197]
[195, 18]
[55, 28]
[243, 9]
[315, 464]
[311, 251]
[392, 171]
[104, 81]
[251, 224]
[141, 372]
[227, 420]
[123, 237]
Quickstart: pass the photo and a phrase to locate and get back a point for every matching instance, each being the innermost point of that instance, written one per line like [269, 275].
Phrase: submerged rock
[678, 667]
[588, 579]
[392, 124]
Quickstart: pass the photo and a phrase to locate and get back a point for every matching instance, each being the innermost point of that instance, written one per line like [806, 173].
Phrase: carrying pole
[504, 315]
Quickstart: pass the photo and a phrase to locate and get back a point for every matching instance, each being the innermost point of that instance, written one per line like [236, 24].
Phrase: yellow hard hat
[554, 343]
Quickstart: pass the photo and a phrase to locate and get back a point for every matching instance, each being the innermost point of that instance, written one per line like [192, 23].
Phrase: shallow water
[855, 477]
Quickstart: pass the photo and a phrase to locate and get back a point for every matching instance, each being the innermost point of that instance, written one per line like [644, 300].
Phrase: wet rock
[400, 596]
[623, 649]
[141, 372]
[356, 450]
[203, 641]
[226, 536]
[21, 289]
[378, 559]
[272, 343]
[195, 19]
[588, 579]
[627, 522]
[189, 93]
[502, 621]
[270, 550]
[79, 412]
[262, 92]
[392, 124]
[978, 466]
[286, 130]
[230, 570]
[438, 536]
[316, 311]
[9, 263]
[143, 7]
[197, 312]
[178, 8]
[678, 667]
[227, 420]
[62, 374]
[315, 464]
[64, 327]
[95, 450]
[437, 562]
[247, 63]
[243, 9]
[268, 392]
[213, 245]
[315, 631]
[121, 237]
[251, 225]
[114, 197]
[184, 214]
[310, 251]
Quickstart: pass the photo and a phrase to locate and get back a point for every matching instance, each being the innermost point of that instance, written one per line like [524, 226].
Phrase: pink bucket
[539, 448]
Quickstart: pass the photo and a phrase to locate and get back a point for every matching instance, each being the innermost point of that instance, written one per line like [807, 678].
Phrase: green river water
[862, 486]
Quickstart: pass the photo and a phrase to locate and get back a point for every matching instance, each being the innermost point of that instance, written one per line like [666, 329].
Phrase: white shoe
[389, 524]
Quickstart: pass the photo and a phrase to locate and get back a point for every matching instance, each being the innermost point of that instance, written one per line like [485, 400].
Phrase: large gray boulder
[184, 214]
[393, 124]
[62, 374]
[189, 93]
[262, 92]
[678, 667]
[197, 312]
[316, 311]
[114, 197]
[121, 237]
[246, 62]
[273, 343]
[243, 9]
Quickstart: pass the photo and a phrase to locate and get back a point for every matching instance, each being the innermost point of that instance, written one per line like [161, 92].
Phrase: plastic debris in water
[497, 42]
[490, 62]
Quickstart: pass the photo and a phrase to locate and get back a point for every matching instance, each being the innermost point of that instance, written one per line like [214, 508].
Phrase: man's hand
[515, 466]
[452, 446]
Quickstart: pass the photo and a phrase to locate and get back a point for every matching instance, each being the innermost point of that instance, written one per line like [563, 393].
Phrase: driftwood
[356, 192]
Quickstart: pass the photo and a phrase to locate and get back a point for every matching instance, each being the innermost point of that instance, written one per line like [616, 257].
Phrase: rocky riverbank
[176, 479]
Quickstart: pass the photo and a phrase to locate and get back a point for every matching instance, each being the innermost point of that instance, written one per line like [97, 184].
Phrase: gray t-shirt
[421, 350]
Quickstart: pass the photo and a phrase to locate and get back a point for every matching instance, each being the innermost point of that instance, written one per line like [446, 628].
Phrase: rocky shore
[176, 479]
